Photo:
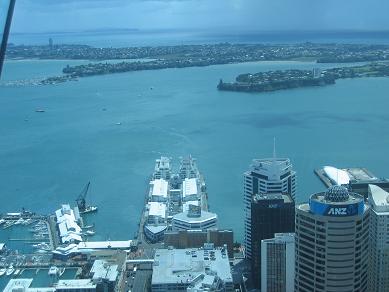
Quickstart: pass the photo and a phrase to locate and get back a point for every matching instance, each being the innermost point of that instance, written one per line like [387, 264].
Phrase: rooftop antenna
[274, 148]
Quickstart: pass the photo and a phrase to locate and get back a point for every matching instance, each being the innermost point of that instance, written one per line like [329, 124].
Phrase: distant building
[205, 269]
[379, 239]
[197, 238]
[277, 263]
[332, 242]
[270, 214]
[194, 219]
[316, 72]
[51, 43]
[266, 176]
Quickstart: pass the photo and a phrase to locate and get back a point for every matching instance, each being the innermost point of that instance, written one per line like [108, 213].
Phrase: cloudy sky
[264, 15]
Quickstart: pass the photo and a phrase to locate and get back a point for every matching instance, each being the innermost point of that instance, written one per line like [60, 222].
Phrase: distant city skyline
[32, 16]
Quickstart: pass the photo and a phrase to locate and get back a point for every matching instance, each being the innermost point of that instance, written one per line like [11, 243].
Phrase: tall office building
[266, 176]
[332, 242]
[277, 263]
[270, 214]
[379, 239]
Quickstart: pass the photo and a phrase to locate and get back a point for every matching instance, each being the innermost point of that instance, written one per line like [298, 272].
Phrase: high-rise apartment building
[270, 214]
[266, 176]
[379, 239]
[277, 263]
[332, 242]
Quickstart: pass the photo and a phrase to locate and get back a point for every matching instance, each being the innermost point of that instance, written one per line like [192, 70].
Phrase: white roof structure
[157, 209]
[337, 176]
[159, 188]
[23, 285]
[69, 230]
[204, 216]
[102, 270]
[189, 187]
[105, 245]
[378, 198]
[75, 284]
[191, 266]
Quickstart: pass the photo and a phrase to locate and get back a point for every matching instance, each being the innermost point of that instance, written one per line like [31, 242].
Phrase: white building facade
[265, 176]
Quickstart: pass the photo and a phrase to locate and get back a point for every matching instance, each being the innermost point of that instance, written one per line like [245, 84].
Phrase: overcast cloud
[70, 15]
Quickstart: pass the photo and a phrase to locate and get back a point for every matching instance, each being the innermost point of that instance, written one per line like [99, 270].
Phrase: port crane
[81, 202]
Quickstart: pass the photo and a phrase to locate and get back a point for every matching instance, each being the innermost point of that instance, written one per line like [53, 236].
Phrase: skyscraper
[266, 176]
[277, 263]
[332, 241]
[379, 239]
[270, 214]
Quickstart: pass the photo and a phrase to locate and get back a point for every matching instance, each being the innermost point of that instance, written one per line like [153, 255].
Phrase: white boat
[2, 221]
[17, 272]
[53, 271]
[61, 271]
[10, 270]
[89, 209]
[2, 271]
[90, 232]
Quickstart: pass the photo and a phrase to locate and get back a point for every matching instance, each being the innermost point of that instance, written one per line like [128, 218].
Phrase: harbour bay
[48, 157]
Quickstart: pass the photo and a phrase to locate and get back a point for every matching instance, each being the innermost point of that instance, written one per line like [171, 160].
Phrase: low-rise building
[194, 219]
[204, 269]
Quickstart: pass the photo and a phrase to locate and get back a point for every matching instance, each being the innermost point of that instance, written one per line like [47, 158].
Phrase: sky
[212, 15]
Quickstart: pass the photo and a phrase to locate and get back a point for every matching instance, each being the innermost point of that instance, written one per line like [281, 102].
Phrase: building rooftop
[75, 284]
[378, 198]
[337, 176]
[157, 209]
[273, 168]
[190, 265]
[126, 244]
[23, 285]
[185, 217]
[281, 238]
[102, 270]
[276, 196]
[159, 188]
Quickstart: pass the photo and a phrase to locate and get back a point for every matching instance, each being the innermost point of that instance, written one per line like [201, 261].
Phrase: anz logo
[348, 210]
[337, 211]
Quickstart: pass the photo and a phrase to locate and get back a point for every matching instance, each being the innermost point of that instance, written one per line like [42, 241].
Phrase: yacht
[2, 271]
[10, 270]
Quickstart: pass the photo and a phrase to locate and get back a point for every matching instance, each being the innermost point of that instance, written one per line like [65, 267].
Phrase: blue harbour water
[47, 158]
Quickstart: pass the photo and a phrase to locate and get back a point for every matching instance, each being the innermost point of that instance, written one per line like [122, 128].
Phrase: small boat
[53, 271]
[61, 271]
[2, 271]
[90, 233]
[89, 209]
[2, 221]
[89, 226]
[118, 124]
[10, 270]
[39, 110]
[17, 272]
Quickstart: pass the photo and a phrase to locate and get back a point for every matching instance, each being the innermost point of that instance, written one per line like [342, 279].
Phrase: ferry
[172, 193]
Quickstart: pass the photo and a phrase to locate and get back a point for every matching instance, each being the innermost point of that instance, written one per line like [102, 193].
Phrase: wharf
[325, 180]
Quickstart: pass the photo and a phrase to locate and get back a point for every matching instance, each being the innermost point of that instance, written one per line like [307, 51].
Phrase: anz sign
[337, 210]
[333, 210]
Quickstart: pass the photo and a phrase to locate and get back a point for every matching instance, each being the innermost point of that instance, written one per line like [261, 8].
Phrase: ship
[172, 193]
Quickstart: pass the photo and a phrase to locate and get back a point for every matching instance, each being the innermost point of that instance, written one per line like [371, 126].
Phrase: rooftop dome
[336, 194]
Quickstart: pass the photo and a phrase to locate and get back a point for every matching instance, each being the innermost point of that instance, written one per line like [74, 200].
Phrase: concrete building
[205, 269]
[197, 238]
[332, 242]
[24, 285]
[266, 176]
[104, 275]
[277, 263]
[379, 239]
[194, 219]
[270, 214]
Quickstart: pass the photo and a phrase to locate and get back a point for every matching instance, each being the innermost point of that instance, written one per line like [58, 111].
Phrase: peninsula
[278, 80]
